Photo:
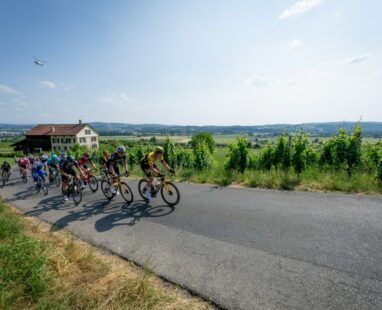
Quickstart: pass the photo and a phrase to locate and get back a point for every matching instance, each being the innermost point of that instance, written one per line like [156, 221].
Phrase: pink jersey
[24, 162]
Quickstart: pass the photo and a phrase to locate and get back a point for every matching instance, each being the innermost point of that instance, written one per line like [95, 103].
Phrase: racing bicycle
[168, 190]
[40, 184]
[74, 190]
[112, 185]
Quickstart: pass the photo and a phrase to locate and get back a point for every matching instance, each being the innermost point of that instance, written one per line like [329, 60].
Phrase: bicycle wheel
[105, 188]
[142, 188]
[4, 180]
[170, 194]
[25, 178]
[57, 180]
[93, 184]
[126, 192]
[76, 193]
[45, 190]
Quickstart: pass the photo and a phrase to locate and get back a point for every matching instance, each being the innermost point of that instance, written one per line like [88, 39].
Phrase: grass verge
[42, 269]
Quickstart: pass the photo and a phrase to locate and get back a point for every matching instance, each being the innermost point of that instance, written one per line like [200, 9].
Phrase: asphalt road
[240, 248]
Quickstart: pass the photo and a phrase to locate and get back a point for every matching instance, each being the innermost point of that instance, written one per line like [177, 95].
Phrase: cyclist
[62, 156]
[67, 172]
[116, 158]
[105, 158]
[150, 169]
[82, 162]
[23, 163]
[39, 168]
[6, 167]
[53, 165]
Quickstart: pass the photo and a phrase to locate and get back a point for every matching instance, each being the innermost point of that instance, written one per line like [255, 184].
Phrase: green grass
[40, 269]
[8, 159]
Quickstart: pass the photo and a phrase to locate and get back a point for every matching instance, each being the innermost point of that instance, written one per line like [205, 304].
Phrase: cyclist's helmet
[86, 154]
[71, 159]
[44, 157]
[105, 153]
[121, 149]
[159, 149]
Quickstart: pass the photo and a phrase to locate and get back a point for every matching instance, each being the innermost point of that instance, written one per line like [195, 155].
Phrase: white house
[61, 137]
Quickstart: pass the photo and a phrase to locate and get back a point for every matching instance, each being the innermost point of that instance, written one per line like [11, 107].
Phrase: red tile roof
[56, 129]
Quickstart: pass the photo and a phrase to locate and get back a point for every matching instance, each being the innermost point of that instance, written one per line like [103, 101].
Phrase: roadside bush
[169, 152]
[238, 155]
[299, 155]
[353, 149]
[266, 158]
[184, 158]
[203, 137]
[202, 157]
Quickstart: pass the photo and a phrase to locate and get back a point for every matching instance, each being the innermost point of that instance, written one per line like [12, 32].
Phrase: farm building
[46, 137]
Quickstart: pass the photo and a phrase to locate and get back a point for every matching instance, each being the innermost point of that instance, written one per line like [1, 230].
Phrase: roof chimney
[80, 122]
[52, 129]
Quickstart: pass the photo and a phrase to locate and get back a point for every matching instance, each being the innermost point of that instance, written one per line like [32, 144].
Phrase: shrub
[202, 157]
[238, 155]
[203, 137]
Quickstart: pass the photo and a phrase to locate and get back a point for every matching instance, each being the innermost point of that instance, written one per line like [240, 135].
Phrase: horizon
[192, 125]
[191, 63]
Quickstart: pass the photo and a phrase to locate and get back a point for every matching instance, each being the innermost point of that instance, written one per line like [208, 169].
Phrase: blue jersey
[38, 165]
[53, 161]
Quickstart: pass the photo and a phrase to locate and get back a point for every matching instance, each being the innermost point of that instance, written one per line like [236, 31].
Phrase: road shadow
[50, 203]
[116, 212]
[131, 215]
[30, 192]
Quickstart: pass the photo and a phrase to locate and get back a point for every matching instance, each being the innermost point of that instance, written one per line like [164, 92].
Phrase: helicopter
[39, 62]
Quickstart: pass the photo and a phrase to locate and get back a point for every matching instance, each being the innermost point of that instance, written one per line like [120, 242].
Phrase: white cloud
[299, 7]
[8, 90]
[353, 60]
[47, 84]
[116, 99]
[270, 81]
[67, 86]
[262, 81]
[295, 43]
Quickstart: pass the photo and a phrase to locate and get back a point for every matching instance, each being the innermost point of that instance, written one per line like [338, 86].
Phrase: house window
[74, 140]
[54, 140]
[82, 140]
[88, 132]
[63, 140]
[94, 139]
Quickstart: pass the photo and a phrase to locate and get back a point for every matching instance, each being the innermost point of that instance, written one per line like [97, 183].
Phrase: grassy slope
[41, 269]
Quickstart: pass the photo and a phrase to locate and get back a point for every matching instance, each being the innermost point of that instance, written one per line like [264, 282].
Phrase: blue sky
[195, 62]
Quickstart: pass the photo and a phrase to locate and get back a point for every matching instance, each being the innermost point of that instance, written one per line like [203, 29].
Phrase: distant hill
[372, 129]
[320, 129]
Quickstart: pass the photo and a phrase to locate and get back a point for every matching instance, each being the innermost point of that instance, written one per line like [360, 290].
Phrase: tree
[204, 137]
